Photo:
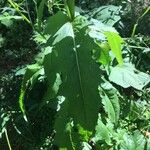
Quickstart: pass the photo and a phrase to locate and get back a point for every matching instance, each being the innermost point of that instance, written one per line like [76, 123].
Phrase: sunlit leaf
[115, 42]
[127, 76]
[133, 142]
[110, 101]
[77, 68]
[102, 132]
[65, 31]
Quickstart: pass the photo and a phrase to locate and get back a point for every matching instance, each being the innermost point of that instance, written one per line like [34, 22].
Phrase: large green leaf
[127, 76]
[80, 74]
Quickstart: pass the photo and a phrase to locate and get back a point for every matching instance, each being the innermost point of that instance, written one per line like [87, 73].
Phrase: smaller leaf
[107, 14]
[31, 74]
[115, 42]
[40, 13]
[127, 76]
[70, 7]
[102, 132]
[104, 53]
[30, 71]
[110, 101]
[20, 71]
[85, 135]
[133, 142]
[86, 146]
[96, 25]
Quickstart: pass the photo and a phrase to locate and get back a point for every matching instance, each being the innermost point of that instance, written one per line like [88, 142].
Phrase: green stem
[29, 16]
[7, 138]
[136, 24]
[15, 6]
[137, 47]
[71, 140]
[134, 29]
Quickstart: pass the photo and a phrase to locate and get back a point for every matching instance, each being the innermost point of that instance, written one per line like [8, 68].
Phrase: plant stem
[7, 138]
[27, 7]
[71, 140]
[137, 47]
[15, 6]
[137, 22]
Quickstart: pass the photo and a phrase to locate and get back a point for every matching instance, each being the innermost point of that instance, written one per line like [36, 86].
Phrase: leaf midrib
[79, 76]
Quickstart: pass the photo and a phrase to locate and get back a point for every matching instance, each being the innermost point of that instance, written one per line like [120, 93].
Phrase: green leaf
[63, 130]
[127, 76]
[148, 143]
[85, 135]
[55, 22]
[18, 10]
[86, 146]
[53, 88]
[40, 13]
[107, 14]
[115, 42]
[103, 57]
[5, 118]
[70, 7]
[65, 31]
[98, 26]
[110, 101]
[133, 142]
[7, 19]
[30, 71]
[31, 74]
[75, 64]
[102, 132]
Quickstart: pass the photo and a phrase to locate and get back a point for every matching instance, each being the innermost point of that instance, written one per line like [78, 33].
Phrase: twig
[7, 138]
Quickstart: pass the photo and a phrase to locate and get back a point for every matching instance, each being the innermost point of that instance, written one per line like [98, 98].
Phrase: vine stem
[7, 138]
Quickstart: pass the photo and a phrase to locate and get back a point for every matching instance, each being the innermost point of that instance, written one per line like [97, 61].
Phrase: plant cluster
[88, 88]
